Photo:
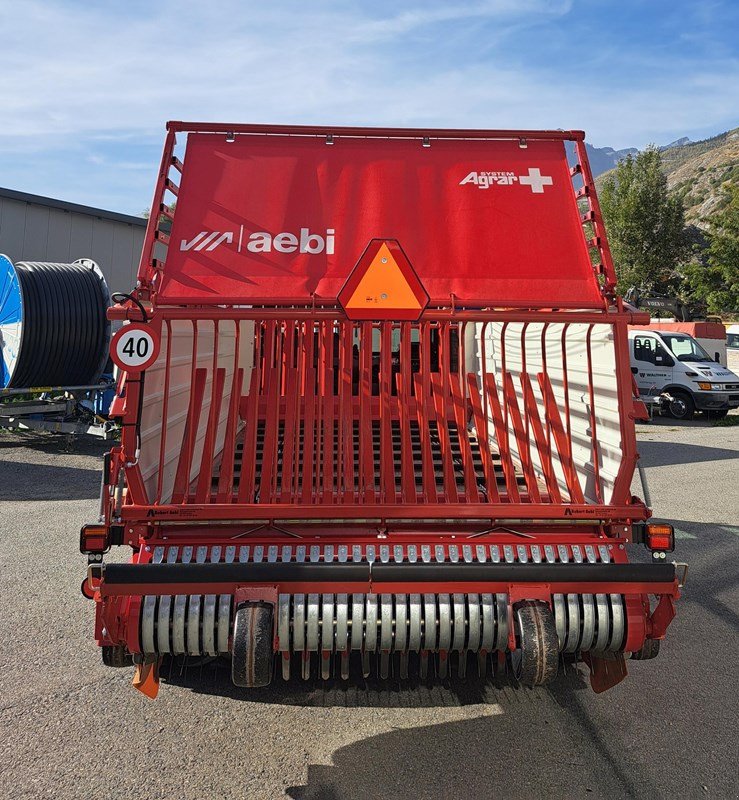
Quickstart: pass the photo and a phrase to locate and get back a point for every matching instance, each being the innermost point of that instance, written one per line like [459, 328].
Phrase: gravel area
[74, 729]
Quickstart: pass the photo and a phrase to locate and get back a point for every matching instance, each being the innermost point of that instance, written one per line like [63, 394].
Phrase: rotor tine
[559, 607]
[366, 664]
[404, 665]
[573, 623]
[345, 665]
[445, 633]
[617, 618]
[424, 664]
[306, 665]
[463, 664]
[283, 632]
[603, 628]
[357, 621]
[384, 664]
[482, 663]
[327, 635]
[588, 621]
[502, 622]
[401, 623]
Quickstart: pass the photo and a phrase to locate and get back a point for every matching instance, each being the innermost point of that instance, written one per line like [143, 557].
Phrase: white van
[676, 364]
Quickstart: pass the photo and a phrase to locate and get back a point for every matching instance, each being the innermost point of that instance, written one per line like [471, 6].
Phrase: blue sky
[86, 87]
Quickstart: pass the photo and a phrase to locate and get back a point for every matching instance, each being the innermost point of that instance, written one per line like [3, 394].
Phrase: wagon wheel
[116, 655]
[650, 649]
[252, 656]
[536, 659]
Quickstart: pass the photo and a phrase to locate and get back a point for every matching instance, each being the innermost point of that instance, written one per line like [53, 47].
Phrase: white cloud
[95, 81]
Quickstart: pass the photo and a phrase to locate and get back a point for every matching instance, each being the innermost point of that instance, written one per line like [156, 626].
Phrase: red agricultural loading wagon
[376, 408]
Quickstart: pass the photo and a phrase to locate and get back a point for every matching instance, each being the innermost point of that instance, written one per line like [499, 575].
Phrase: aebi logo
[265, 242]
[207, 241]
[484, 180]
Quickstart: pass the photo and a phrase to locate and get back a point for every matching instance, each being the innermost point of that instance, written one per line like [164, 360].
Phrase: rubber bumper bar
[306, 572]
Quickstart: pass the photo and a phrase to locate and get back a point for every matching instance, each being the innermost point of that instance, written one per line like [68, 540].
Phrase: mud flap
[606, 671]
[146, 678]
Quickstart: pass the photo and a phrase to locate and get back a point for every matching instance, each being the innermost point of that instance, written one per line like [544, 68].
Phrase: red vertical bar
[524, 453]
[481, 430]
[387, 462]
[545, 453]
[440, 407]
[205, 476]
[629, 455]
[561, 439]
[225, 478]
[460, 417]
[593, 425]
[407, 469]
[285, 489]
[309, 399]
[423, 404]
[182, 476]
[366, 450]
[346, 411]
[328, 473]
[403, 383]
[501, 434]
[272, 398]
[165, 413]
[247, 476]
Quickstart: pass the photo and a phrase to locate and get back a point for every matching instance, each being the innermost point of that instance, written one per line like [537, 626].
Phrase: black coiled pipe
[65, 329]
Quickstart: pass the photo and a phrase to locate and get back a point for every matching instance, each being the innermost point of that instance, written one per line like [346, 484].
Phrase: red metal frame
[360, 446]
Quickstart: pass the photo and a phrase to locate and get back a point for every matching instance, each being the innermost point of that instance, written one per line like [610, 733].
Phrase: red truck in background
[377, 414]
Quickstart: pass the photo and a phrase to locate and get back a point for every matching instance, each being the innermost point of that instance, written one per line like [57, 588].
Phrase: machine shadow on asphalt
[213, 677]
[445, 760]
[35, 482]
[662, 454]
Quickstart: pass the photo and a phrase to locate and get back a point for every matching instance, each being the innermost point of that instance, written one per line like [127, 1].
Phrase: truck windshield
[685, 348]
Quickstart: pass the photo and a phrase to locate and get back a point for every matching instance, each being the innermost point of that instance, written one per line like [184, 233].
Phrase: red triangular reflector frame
[383, 285]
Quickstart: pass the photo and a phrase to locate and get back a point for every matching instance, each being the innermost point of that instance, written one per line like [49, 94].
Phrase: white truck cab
[676, 364]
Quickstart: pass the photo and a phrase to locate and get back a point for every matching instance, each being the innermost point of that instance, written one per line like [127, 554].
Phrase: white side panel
[539, 347]
[177, 347]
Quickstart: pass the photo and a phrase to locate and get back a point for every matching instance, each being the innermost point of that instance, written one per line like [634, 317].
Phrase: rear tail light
[94, 539]
[659, 537]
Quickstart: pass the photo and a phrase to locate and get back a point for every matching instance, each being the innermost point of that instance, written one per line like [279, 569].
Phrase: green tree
[645, 224]
[714, 279]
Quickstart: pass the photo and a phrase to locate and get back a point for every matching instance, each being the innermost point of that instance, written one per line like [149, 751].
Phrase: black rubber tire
[718, 414]
[681, 406]
[536, 660]
[650, 649]
[116, 656]
[252, 657]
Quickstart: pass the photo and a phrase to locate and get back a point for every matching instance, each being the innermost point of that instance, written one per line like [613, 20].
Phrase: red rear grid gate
[413, 468]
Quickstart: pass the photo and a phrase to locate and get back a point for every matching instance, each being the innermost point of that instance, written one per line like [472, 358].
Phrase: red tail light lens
[660, 537]
[94, 539]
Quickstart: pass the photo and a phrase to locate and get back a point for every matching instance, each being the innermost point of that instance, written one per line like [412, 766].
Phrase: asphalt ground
[71, 728]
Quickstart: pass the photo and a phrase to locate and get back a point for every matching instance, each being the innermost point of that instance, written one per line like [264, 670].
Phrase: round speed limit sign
[134, 347]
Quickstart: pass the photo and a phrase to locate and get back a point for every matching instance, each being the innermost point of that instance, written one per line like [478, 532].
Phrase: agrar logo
[484, 180]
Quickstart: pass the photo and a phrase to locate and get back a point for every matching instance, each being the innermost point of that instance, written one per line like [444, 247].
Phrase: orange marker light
[660, 536]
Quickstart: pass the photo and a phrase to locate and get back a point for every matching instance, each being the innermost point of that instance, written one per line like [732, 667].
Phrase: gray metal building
[34, 228]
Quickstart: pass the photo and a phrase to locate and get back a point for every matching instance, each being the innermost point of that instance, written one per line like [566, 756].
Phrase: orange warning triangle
[383, 285]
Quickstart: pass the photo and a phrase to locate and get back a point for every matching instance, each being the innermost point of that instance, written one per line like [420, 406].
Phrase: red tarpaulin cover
[279, 218]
